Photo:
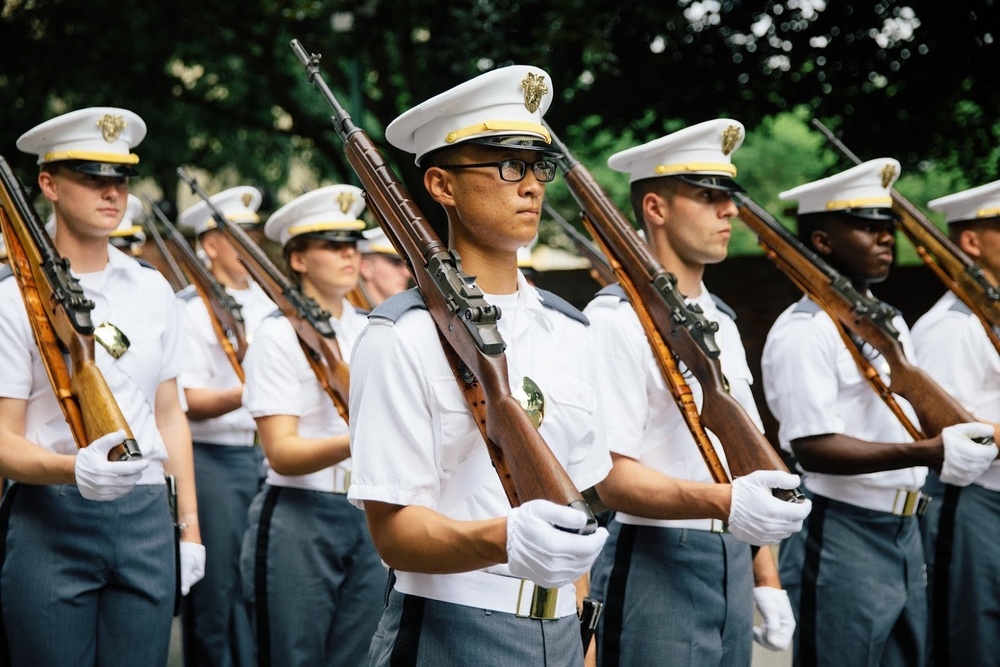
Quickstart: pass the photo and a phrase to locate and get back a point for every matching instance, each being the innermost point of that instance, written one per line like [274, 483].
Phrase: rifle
[674, 328]
[865, 317]
[59, 313]
[948, 262]
[360, 297]
[311, 323]
[465, 320]
[224, 313]
[605, 275]
[175, 276]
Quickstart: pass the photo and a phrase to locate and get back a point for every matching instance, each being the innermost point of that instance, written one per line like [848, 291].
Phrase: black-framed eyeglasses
[512, 170]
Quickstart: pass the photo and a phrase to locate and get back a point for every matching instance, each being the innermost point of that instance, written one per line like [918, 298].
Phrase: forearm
[640, 490]
[204, 403]
[176, 435]
[24, 461]
[765, 568]
[839, 454]
[294, 455]
[418, 539]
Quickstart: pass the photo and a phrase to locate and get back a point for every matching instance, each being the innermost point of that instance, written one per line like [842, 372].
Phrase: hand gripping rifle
[604, 274]
[311, 323]
[953, 267]
[60, 320]
[465, 320]
[673, 328]
[865, 317]
[224, 313]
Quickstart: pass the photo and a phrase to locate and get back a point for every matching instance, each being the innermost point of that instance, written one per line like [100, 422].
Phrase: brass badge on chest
[111, 339]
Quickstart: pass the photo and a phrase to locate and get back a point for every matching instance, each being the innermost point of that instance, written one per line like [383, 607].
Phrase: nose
[886, 236]
[729, 208]
[530, 185]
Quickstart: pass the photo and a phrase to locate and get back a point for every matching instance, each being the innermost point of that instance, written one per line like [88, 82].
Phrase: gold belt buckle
[542, 605]
[906, 503]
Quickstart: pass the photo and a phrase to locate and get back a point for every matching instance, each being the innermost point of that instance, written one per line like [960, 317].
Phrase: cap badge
[730, 136]
[888, 175]
[534, 89]
[345, 200]
[111, 127]
[247, 198]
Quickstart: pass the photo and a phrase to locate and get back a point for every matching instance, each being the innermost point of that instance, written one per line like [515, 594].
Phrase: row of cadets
[678, 576]
[383, 271]
[960, 536]
[228, 465]
[862, 597]
[88, 544]
[309, 570]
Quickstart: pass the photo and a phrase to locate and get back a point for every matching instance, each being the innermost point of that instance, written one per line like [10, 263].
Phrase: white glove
[101, 479]
[965, 460]
[192, 565]
[546, 555]
[756, 516]
[775, 633]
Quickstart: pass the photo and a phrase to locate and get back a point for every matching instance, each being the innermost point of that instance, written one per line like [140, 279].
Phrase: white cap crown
[129, 226]
[376, 241]
[506, 103]
[866, 186]
[973, 204]
[95, 134]
[702, 149]
[239, 205]
[334, 210]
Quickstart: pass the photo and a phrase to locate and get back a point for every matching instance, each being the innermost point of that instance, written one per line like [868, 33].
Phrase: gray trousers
[673, 596]
[417, 632]
[216, 628]
[311, 577]
[863, 600]
[86, 582]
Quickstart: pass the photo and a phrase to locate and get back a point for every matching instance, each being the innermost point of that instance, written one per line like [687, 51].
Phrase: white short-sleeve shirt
[207, 366]
[413, 439]
[813, 387]
[953, 348]
[647, 424]
[141, 304]
[279, 381]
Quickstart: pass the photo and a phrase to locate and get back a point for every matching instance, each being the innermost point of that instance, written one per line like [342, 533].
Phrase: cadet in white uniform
[383, 271]
[961, 538]
[437, 511]
[863, 597]
[228, 464]
[89, 543]
[129, 237]
[309, 568]
[674, 580]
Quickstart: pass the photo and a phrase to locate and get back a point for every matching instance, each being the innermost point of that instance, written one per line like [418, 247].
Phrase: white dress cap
[866, 186]
[702, 153]
[975, 204]
[501, 107]
[98, 139]
[129, 226]
[238, 204]
[376, 241]
[332, 212]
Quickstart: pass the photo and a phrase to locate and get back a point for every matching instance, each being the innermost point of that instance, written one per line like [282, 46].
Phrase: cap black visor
[724, 183]
[108, 169]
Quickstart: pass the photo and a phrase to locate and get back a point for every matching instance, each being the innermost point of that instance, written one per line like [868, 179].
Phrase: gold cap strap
[112, 158]
[695, 168]
[498, 126]
[869, 202]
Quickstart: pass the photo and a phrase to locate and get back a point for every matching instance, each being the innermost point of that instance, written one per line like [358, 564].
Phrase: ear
[47, 184]
[968, 242]
[210, 246]
[439, 186]
[296, 262]
[821, 242]
[654, 209]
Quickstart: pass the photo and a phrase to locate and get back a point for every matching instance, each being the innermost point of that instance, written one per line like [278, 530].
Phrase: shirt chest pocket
[569, 423]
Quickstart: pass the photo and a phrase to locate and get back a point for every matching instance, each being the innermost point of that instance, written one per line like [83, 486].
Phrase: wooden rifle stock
[174, 275]
[605, 275]
[360, 297]
[950, 264]
[673, 328]
[224, 313]
[310, 322]
[465, 320]
[865, 317]
[60, 320]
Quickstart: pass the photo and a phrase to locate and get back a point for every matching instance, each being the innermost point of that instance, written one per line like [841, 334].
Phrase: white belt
[336, 480]
[901, 502]
[707, 525]
[483, 590]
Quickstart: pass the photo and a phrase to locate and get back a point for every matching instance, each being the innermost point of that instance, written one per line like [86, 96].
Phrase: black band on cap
[713, 182]
[108, 169]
